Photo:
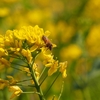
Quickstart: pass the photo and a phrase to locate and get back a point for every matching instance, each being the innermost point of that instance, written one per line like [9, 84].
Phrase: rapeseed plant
[25, 45]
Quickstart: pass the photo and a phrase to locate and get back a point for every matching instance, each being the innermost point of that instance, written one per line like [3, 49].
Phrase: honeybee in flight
[48, 43]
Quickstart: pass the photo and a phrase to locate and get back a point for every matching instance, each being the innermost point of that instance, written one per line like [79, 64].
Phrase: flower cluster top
[26, 43]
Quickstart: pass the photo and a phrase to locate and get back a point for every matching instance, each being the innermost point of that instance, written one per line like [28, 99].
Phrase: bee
[48, 43]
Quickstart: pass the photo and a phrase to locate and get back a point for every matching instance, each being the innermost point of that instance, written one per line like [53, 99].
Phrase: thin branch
[17, 69]
[24, 85]
[24, 80]
[21, 70]
[19, 58]
[43, 80]
[18, 64]
[52, 84]
[32, 92]
[42, 72]
[62, 87]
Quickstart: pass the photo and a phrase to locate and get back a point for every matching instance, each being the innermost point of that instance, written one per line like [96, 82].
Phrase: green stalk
[52, 84]
[42, 72]
[24, 80]
[41, 96]
[31, 92]
[62, 87]
[24, 85]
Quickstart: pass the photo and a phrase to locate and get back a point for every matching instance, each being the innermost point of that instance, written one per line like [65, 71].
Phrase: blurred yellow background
[75, 28]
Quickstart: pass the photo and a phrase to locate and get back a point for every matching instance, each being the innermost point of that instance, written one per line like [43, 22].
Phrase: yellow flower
[18, 44]
[3, 52]
[63, 66]
[12, 80]
[47, 57]
[16, 91]
[11, 42]
[33, 48]
[5, 62]
[53, 68]
[35, 68]
[26, 70]
[35, 34]
[9, 39]
[27, 54]
[3, 83]
[31, 34]
[1, 41]
[26, 37]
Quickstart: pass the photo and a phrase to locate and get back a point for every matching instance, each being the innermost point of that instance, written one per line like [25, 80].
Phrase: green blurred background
[75, 28]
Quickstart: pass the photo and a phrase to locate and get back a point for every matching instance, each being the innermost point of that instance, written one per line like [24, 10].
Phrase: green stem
[20, 70]
[19, 58]
[52, 84]
[36, 82]
[17, 69]
[18, 64]
[43, 80]
[24, 80]
[62, 87]
[24, 85]
[42, 72]
[31, 92]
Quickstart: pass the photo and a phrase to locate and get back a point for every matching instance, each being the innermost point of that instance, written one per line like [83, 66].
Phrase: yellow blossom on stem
[1, 41]
[31, 34]
[35, 68]
[37, 74]
[9, 39]
[12, 80]
[33, 48]
[27, 54]
[26, 70]
[18, 44]
[48, 60]
[63, 66]
[53, 68]
[47, 57]
[3, 52]
[4, 62]
[16, 91]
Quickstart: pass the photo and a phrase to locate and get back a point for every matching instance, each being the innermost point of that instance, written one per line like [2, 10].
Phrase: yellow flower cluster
[25, 44]
[15, 89]
[21, 42]
[54, 64]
